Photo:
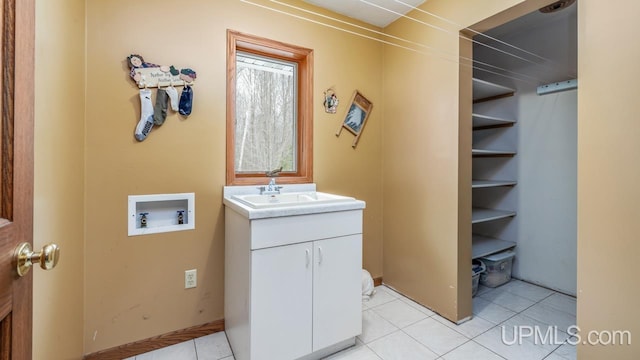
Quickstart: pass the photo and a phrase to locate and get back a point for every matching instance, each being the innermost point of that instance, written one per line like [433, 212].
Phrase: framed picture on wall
[356, 116]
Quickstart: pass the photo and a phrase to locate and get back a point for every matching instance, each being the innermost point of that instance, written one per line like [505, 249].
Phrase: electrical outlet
[190, 278]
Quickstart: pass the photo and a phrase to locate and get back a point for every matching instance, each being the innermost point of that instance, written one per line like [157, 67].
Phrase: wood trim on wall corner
[377, 281]
[157, 342]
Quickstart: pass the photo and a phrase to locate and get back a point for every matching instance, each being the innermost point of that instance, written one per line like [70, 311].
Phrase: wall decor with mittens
[165, 78]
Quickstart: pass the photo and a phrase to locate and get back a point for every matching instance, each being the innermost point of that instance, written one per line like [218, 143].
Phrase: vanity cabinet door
[337, 292]
[281, 295]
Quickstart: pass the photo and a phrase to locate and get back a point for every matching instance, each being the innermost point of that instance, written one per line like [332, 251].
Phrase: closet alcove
[524, 147]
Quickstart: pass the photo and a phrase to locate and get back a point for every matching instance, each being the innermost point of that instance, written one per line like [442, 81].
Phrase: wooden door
[16, 170]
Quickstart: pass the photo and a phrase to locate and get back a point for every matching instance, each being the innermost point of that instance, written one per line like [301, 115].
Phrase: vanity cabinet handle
[308, 259]
[319, 255]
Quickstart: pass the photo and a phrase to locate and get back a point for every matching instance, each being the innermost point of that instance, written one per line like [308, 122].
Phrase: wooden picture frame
[356, 116]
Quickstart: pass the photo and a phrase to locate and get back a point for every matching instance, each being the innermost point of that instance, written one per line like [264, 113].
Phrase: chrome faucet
[271, 188]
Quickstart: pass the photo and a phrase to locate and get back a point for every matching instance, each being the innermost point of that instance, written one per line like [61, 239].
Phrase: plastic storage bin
[477, 267]
[498, 268]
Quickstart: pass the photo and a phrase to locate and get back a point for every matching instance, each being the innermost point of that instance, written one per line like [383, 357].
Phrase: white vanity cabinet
[293, 284]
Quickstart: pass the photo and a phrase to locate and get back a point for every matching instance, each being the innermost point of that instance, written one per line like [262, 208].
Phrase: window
[269, 110]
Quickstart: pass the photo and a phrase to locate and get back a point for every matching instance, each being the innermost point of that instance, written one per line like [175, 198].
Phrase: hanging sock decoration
[147, 74]
[146, 115]
[165, 78]
[160, 110]
[186, 101]
[173, 97]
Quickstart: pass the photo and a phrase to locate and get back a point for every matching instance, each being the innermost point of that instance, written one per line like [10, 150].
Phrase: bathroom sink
[289, 199]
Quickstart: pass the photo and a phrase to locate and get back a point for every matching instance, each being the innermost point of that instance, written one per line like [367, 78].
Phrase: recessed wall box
[161, 213]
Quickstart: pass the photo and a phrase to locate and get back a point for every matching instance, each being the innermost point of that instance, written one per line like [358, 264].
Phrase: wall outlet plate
[190, 278]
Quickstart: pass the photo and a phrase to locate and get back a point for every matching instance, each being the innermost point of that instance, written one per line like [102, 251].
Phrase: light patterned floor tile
[566, 351]
[379, 297]
[374, 327]
[426, 334]
[561, 302]
[213, 347]
[400, 346]
[484, 290]
[417, 306]
[524, 328]
[399, 313]
[470, 328]
[554, 356]
[524, 350]
[182, 351]
[471, 350]
[508, 300]
[391, 291]
[436, 336]
[551, 316]
[358, 352]
[490, 311]
[532, 292]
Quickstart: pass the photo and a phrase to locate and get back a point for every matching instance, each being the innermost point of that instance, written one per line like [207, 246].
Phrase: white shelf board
[479, 215]
[484, 89]
[486, 120]
[486, 152]
[475, 184]
[483, 246]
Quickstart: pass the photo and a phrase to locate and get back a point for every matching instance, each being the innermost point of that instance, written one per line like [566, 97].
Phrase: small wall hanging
[330, 101]
[356, 117]
[148, 75]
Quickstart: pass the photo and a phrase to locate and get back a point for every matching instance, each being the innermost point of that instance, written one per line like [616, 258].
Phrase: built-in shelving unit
[487, 152]
[489, 122]
[483, 246]
[478, 184]
[487, 91]
[484, 91]
[479, 215]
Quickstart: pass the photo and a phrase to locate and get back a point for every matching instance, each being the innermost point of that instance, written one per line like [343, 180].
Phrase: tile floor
[394, 327]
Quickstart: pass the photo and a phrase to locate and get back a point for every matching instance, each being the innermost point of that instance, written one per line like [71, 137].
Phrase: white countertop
[293, 210]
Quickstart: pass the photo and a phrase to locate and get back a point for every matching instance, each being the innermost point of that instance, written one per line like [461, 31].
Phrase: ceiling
[363, 10]
[533, 20]
[542, 47]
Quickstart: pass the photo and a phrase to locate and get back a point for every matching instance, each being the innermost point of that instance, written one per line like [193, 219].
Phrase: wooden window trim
[237, 41]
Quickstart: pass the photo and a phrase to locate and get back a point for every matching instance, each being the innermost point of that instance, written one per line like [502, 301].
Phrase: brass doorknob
[24, 257]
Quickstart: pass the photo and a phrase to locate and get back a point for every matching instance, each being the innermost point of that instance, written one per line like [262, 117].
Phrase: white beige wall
[135, 285]
[417, 138]
[58, 295]
[427, 244]
[420, 188]
[608, 174]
